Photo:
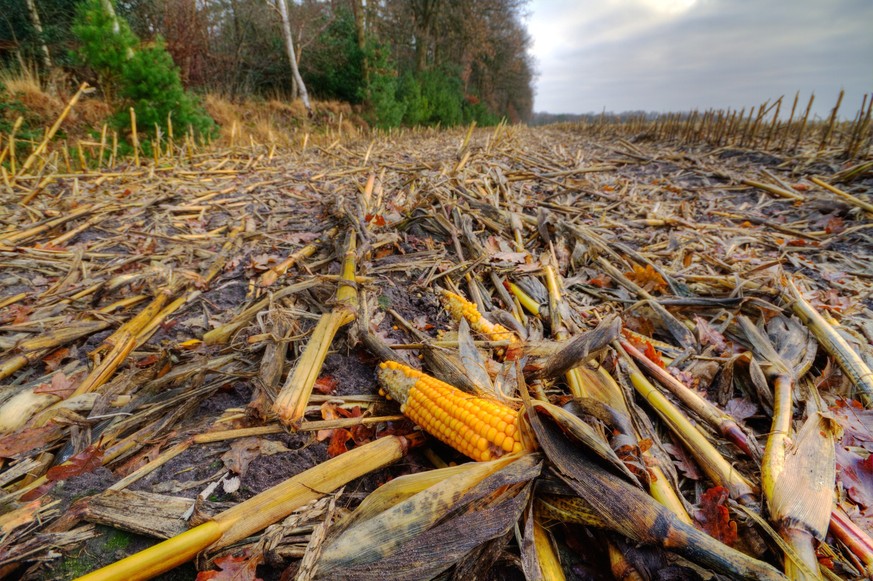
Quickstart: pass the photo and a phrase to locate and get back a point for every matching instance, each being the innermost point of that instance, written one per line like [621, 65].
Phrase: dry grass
[274, 122]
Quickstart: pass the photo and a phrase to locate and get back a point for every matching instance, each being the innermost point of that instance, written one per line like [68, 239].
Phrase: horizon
[667, 56]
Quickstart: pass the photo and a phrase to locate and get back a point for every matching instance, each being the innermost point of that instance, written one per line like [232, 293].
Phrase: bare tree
[37, 26]
[289, 45]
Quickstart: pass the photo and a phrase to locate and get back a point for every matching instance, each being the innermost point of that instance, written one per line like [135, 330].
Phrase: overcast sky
[672, 55]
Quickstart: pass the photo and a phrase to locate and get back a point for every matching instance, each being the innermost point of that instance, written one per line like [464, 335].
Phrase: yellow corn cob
[458, 307]
[477, 427]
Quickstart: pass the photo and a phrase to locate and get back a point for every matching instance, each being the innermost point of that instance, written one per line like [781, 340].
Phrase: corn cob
[477, 427]
[459, 307]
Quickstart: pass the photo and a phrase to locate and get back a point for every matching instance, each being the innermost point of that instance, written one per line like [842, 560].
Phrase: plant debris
[681, 321]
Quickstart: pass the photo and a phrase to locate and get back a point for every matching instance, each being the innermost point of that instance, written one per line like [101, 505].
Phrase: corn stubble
[554, 407]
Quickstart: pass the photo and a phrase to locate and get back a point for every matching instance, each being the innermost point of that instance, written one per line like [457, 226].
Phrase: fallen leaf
[339, 442]
[241, 453]
[61, 385]
[16, 314]
[601, 281]
[653, 355]
[709, 336]
[856, 475]
[377, 219]
[85, 461]
[648, 278]
[325, 384]
[856, 423]
[301, 237]
[714, 516]
[835, 225]
[53, 360]
[741, 408]
[683, 462]
[233, 568]
[516, 257]
[147, 361]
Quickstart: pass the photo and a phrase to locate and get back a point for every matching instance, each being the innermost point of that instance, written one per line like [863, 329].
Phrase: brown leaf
[16, 314]
[648, 278]
[653, 355]
[741, 408]
[241, 453]
[601, 281]
[61, 385]
[339, 442]
[714, 516]
[28, 439]
[85, 461]
[325, 384]
[855, 473]
[835, 225]
[148, 360]
[232, 568]
[709, 336]
[53, 360]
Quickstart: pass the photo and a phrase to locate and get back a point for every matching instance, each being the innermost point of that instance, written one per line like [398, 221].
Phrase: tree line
[403, 62]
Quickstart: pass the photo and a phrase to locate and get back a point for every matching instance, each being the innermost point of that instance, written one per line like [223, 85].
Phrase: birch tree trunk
[37, 26]
[116, 27]
[289, 45]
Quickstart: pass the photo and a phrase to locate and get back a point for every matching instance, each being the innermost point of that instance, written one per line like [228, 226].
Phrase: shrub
[150, 83]
[382, 107]
[101, 47]
[145, 79]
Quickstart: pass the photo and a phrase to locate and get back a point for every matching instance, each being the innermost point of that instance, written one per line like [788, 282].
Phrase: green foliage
[383, 109]
[150, 84]
[333, 67]
[442, 96]
[145, 79]
[100, 46]
[409, 93]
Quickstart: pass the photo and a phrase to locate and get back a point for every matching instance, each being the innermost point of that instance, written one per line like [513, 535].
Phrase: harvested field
[679, 321]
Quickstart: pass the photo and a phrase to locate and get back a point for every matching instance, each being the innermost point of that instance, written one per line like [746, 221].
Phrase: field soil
[150, 315]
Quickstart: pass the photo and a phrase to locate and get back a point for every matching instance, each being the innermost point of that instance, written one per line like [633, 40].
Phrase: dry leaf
[61, 385]
[648, 278]
[53, 360]
[232, 568]
[85, 461]
[28, 439]
[714, 516]
[326, 384]
[241, 453]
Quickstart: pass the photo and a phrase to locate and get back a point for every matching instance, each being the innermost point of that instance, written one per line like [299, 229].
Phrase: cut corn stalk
[256, 513]
[707, 411]
[269, 277]
[713, 463]
[479, 428]
[835, 345]
[599, 385]
[290, 404]
[621, 507]
[798, 483]
[119, 345]
[459, 307]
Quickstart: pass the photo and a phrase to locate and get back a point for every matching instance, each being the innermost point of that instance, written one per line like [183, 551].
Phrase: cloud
[672, 55]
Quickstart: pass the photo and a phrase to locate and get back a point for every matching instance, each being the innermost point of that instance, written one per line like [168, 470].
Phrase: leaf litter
[153, 320]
